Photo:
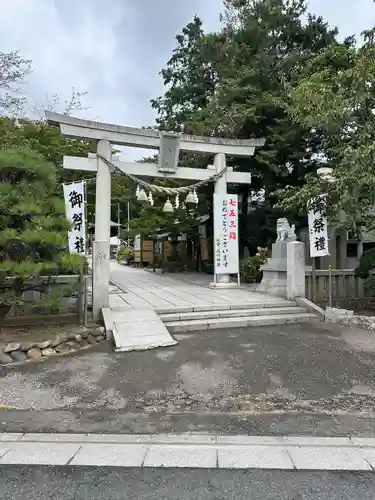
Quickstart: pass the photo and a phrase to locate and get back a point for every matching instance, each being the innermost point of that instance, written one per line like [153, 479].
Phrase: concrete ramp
[138, 330]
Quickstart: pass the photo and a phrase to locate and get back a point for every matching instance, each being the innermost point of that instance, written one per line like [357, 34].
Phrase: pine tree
[33, 234]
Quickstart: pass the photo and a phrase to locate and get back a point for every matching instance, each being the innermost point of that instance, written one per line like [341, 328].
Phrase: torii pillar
[107, 135]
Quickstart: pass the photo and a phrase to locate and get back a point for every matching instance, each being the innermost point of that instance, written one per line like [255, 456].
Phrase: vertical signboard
[74, 196]
[318, 228]
[226, 234]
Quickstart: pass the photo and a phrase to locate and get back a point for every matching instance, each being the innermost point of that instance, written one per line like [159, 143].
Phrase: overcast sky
[114, 49]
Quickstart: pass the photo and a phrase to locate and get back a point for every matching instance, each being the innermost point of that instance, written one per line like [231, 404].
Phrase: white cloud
[115, 49]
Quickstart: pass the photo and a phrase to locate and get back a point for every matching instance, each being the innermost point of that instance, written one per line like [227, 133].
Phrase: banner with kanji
[318, 228]
[74, 196]
[226, 248]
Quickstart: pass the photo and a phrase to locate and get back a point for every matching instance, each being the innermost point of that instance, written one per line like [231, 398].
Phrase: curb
[189, 451]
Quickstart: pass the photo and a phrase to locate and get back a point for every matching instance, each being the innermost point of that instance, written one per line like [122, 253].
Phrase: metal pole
[118, 227]
[118, 221]
[86, 217]
[330, 286]
[313, 279]
[128, 223]
[86, 270]
[85, 310]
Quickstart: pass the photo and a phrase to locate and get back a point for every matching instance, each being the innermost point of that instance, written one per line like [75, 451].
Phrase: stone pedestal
[274, 279]
[296, 270]
[223, 285]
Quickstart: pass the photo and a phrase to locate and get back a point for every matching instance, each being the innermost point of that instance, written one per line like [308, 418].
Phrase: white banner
[74, 196]
[318, 229]
[226, 234]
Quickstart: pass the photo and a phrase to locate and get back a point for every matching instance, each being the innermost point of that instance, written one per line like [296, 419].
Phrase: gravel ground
[314, 379]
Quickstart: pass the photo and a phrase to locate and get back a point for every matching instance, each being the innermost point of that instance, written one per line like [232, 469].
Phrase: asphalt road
[88, 483]
[306, 379]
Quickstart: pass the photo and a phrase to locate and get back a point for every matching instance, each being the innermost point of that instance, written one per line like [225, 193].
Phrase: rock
[44, 344]
[101, 329]
[27, 345]
[18, 355]
[48, 351]
[63, 348]
[84, 335]
[72, 344]
[95, 333]
[77, 337]
[60, 339]
[5, 358]
[83, 343]
[34, 353]
[11, 347]
[91, 340]
[100, 338]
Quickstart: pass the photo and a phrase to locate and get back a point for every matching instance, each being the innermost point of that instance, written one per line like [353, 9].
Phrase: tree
[55, 103]
[190, 78]
[33, 234]
[232, 84]
[336, 98]
[13, 69]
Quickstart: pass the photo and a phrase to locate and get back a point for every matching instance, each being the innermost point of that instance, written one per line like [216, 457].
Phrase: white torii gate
[106, 135]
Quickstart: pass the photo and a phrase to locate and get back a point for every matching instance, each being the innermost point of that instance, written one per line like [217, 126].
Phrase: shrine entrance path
[143, 289]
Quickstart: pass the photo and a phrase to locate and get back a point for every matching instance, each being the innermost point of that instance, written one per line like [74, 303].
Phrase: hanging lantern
[151, 199]
[137, 191]
[190, 198]
[142, 196]
[168, 207]
[177, 201]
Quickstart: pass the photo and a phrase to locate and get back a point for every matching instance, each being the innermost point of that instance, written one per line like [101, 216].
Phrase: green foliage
[152, 220]
[13, 70]
[125, 254]
[232, 83]
[336, 97]
[366, 264]
[33, 238]
[250, 267]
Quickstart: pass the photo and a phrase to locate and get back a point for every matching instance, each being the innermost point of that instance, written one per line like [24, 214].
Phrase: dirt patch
[38, 333]
[18, 345]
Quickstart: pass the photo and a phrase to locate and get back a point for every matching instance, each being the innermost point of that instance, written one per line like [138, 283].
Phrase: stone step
[224, 307]
[238, 322]
[230, 313]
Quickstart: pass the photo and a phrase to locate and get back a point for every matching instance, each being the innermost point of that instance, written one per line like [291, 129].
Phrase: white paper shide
[74, 196]
[318, 228]
[226, 234]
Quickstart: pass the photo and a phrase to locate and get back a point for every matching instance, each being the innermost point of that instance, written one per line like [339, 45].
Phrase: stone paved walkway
[144, 290]
[189, 451]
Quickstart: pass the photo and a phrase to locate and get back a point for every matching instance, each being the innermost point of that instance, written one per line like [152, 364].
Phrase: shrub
[125, 253]
[366, 264]
[250, 267]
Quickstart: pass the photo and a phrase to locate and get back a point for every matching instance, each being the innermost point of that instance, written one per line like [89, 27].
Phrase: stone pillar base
[296, 270]
[274, 279]
[223, 285]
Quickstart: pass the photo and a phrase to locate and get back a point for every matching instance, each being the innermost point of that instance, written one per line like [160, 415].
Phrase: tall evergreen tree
[233, 84]
[33, 226]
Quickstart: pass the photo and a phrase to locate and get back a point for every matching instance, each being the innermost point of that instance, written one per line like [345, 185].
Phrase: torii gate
[169, 144]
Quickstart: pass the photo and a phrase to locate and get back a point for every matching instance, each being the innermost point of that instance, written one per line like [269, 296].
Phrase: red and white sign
[226, 234]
